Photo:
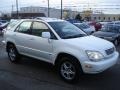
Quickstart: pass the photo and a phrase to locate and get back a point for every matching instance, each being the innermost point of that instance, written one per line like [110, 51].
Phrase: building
[27, 12]
[106, 17]
[33, 11]
[99, 16]
[43, 10]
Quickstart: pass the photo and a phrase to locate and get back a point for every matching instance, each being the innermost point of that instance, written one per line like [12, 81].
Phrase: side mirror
[46, 35]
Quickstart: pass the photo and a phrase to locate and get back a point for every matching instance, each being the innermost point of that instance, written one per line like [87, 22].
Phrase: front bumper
[97, 67]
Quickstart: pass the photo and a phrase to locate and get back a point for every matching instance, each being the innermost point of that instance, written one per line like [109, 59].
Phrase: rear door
[22, 37]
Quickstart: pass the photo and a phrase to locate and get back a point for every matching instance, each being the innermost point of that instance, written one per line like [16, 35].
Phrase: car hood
[104, 34]
[90, 43]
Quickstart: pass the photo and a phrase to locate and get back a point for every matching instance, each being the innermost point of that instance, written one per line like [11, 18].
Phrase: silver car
[62, 44]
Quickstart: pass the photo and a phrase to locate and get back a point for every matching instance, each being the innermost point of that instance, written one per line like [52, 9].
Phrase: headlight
[94, 55]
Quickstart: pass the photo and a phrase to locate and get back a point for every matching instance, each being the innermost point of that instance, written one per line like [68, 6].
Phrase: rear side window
[24, 27]
[11, 25]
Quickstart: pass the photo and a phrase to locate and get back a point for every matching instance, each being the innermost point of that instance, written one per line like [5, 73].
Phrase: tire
[69, 69]
[13, 54]
[116, 42]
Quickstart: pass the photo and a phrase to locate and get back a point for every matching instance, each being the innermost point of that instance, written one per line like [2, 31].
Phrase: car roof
[47, 19]
[80, 23]
[41, 19]
[113, 25]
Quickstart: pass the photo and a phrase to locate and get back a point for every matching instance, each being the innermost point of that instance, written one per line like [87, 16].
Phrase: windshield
[66, 30]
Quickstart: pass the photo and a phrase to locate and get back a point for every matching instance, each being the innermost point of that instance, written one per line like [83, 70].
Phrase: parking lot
[31, 74]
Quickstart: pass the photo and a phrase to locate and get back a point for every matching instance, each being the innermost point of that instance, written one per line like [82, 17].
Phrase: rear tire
[13, 54]
[69, 69]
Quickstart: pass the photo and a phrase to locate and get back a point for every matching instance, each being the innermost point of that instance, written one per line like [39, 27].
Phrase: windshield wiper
[73, 36]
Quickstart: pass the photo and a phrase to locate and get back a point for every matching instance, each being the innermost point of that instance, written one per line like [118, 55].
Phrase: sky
[106, 6]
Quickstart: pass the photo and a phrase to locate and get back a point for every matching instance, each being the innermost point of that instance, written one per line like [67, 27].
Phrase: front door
[41, 47]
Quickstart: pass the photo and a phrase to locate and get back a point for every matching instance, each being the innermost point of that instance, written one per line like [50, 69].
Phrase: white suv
[62, 44]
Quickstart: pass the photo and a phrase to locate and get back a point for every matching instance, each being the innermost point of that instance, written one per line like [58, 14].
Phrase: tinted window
[66, 30]
[24, 27]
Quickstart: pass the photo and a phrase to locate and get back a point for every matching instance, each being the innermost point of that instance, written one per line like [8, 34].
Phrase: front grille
[110, 51]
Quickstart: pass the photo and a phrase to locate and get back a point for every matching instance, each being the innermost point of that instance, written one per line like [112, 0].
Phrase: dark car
[2, 27]
[110, 32]
[97, 25]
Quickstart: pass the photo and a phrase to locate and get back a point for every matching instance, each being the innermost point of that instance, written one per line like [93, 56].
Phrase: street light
[61, 9]
[17, 8]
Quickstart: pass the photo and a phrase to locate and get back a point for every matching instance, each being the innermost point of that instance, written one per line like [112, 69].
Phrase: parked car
[86, 28]
[2, 27]
[10, 25]
[62, 44]
[103, 24]
[114, 23]
[110, 32]
[97, 25]
[3, 21]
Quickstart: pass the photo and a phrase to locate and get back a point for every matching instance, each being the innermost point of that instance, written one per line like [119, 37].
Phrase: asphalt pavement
[31, 74]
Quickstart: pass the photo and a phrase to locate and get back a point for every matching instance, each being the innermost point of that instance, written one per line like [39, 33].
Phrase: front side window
[24, 27]
[38, 28]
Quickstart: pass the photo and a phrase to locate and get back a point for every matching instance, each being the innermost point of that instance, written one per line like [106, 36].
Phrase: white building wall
[54, 13]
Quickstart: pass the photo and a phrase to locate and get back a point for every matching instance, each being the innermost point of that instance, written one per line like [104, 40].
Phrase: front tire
[69, 69]
[13, 54]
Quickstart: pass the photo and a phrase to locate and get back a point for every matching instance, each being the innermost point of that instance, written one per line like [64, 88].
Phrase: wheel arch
[7, 44]
[62, 54]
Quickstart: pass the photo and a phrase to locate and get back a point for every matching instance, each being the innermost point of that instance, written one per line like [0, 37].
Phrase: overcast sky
[6, 5]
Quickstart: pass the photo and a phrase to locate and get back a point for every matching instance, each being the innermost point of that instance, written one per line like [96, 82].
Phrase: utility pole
[48, 8]
[61, 9]
[12, 10]
[17, 8]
